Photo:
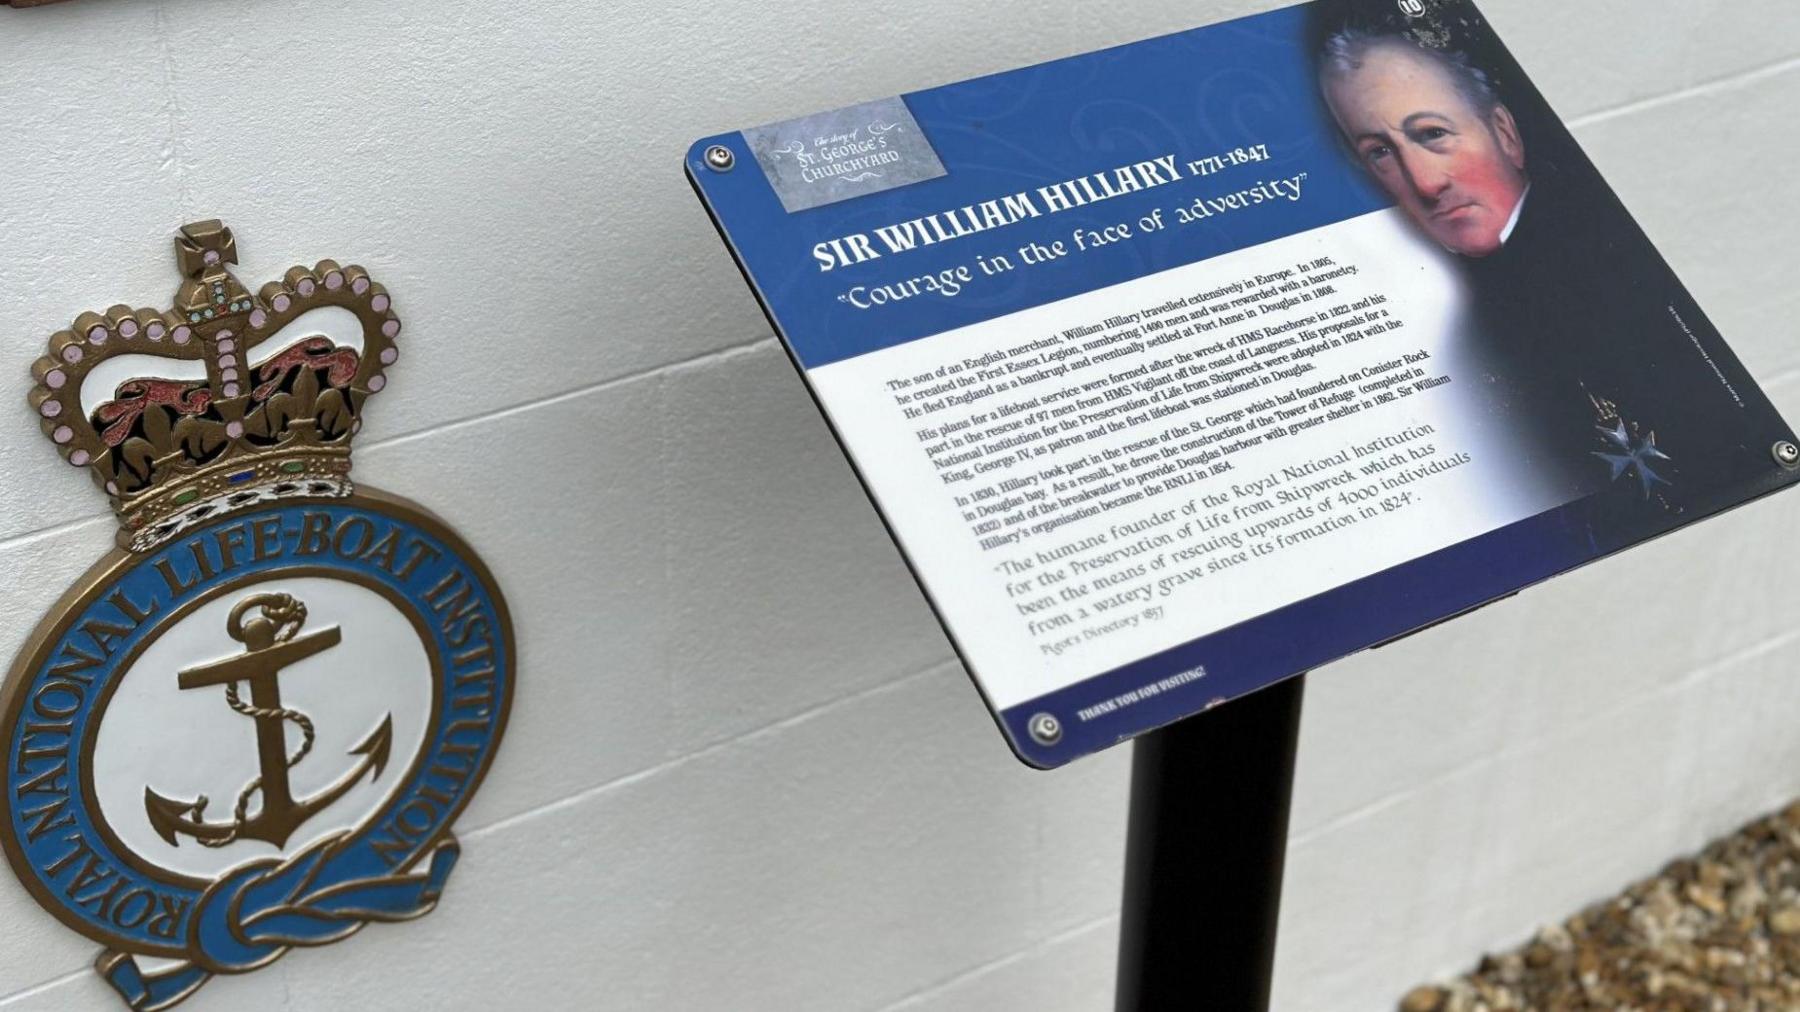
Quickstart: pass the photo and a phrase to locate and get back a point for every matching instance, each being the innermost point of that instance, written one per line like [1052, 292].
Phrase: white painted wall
[744, 770]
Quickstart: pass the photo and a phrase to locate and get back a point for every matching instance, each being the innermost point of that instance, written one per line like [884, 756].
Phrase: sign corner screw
[1045, 729]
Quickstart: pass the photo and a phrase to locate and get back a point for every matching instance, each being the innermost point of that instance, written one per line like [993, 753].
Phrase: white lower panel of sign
[1089, 482]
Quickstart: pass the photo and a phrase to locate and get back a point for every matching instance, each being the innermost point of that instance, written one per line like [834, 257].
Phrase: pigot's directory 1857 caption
[1183, 367]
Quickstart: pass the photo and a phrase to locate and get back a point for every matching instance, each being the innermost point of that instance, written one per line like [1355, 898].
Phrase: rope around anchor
[288, 615]
[242, 815]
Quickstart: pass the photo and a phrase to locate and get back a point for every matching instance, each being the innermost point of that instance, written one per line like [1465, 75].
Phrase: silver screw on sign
[1045, 729]
[719, 158]
[1787, 455]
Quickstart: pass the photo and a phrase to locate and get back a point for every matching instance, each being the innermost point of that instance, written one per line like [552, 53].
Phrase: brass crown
[224, 405]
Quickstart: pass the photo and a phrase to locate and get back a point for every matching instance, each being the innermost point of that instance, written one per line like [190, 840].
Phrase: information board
[1182, 367]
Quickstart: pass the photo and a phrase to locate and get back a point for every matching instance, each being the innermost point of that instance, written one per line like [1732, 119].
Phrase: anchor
[271, 643]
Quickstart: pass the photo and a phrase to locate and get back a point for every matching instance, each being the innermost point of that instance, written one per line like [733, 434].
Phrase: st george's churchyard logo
[250, 726]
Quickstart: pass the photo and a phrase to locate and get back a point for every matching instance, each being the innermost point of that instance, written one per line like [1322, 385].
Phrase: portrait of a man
[1587, 341]
[1433, 132]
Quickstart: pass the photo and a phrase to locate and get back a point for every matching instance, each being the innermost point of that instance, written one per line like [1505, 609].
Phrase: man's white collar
[1513, 222]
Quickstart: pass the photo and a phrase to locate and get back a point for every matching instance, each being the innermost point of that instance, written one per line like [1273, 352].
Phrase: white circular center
[185, 743]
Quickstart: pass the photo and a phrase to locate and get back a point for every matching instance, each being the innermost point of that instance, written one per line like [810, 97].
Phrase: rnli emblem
[250, 726]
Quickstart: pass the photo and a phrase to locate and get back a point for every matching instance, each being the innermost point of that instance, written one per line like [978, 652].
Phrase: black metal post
[1207, 843]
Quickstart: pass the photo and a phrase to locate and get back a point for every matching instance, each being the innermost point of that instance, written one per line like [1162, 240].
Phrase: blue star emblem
[1633, 455]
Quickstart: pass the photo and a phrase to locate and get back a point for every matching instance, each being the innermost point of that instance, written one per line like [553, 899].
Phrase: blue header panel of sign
[1182, 367]
[1231, 112]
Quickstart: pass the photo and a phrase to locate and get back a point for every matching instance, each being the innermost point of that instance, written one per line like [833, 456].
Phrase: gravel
[1719, 932]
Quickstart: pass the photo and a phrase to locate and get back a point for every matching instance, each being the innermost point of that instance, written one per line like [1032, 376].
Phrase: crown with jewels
[226, 400]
